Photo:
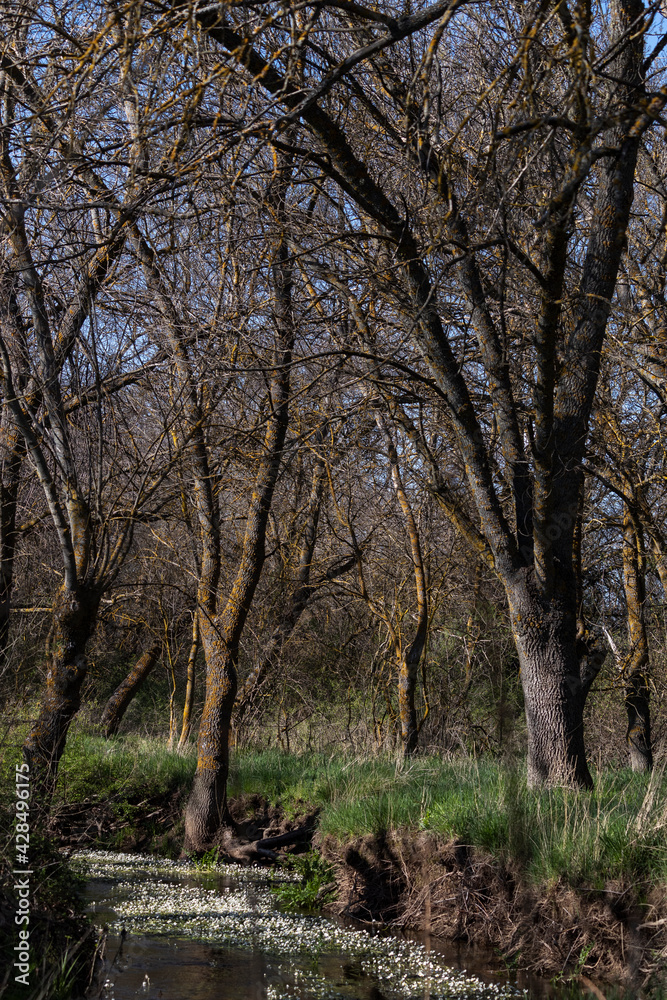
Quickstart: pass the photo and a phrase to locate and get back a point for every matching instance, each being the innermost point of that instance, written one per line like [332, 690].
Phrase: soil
[262, 833]
[417, 881]
[154, 824]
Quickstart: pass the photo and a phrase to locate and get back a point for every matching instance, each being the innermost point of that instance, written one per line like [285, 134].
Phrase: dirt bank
[418, 881]
[155, 825]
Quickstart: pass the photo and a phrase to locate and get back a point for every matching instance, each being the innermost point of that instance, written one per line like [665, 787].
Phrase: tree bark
[190, 686]
[119, 701]
[298, 600]
[12, 452]
[12, 460]
[207, 806]
[408, 661]
[75, 614]
[555, 682]
[408, 672]
[637, 704]
[221, 634]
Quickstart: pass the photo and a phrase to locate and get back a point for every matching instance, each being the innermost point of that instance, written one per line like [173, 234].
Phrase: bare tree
[63, 352]
[541, 115]
[118, 703]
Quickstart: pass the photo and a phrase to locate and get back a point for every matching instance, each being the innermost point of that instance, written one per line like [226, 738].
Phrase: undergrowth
[315, 888]
[61, 937]
[614, 833]
[122, 766]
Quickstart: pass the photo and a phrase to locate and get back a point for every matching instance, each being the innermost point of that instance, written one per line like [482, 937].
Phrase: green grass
[123, 766]
[616, 832]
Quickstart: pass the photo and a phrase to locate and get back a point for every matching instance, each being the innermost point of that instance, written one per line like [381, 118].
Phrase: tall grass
[615, 832]
[93, 767]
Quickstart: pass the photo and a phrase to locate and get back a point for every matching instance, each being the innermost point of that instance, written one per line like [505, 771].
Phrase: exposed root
[260, 832]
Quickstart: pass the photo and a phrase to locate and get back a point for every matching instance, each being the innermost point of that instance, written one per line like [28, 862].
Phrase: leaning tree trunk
[118, 703]
[637, 705]
[568, 349]
[248, 692]
[207, 806]
[295, 607]
[661, 564]
[75, 615]
[298, 600]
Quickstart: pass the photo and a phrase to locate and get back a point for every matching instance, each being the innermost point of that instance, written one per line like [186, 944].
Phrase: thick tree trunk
[75, 615]
[554, 686]
[638, 709]
[207, 805]
[637, 705]
[118, 703]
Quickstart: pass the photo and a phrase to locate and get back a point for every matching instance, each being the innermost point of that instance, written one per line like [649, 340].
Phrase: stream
[179, 933]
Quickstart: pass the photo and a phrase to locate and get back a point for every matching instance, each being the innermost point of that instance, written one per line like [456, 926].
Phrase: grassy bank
[615, 832]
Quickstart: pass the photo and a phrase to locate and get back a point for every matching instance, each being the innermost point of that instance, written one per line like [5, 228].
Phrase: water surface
[176, 933]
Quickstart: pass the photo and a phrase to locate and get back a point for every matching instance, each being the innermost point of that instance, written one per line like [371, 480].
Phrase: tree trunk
[298, 600]
[119, 701]
[207, 806]
[13, 453]
[408, 672]
[295, 607]
[221, 634]
[190, 687]
[75, 615]
[637, 706]
[554, 685]
[660, 563]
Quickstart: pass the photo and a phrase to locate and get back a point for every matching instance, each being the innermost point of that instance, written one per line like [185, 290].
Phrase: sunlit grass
[615, 832]
[126, 765]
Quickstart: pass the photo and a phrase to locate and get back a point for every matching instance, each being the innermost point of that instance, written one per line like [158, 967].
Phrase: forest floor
[563, 883]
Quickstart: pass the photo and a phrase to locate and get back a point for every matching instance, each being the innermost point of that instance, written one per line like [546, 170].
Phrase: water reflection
[266, 955]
